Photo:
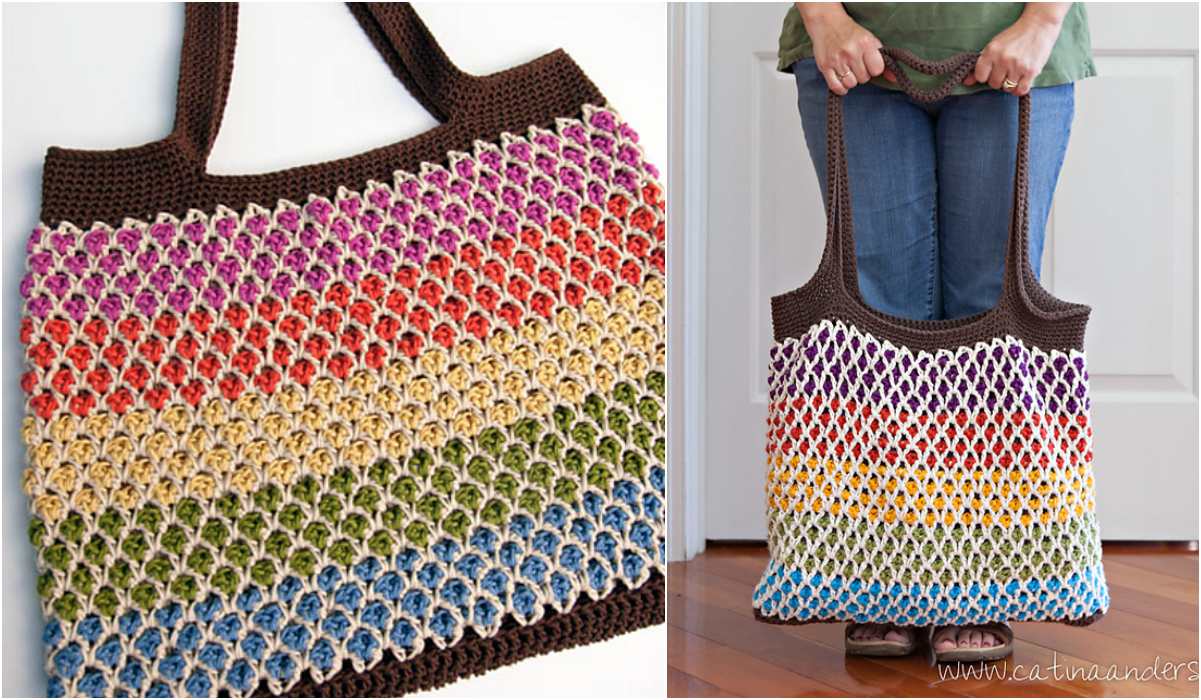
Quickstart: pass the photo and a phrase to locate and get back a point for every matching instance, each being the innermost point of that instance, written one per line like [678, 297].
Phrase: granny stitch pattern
[265, 442]
[928, 488]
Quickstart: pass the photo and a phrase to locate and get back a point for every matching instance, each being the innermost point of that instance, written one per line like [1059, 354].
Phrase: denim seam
[933, 269]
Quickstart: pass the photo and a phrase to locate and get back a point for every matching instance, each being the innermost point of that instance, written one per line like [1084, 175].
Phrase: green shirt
[937, 30]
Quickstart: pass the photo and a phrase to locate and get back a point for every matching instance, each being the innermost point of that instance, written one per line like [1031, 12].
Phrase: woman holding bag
[939, 174]
[930, 162]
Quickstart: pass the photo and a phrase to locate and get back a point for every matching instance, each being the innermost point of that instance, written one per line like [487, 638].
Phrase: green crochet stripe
[877, 551]
[302, 527]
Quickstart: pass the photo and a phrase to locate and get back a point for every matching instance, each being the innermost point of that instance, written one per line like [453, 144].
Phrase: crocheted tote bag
[928, 472]
[355, 428]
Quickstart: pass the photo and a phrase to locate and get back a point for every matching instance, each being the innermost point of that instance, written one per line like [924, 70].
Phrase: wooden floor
[717, 649]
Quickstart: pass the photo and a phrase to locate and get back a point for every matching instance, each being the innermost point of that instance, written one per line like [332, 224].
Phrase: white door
[1122, 238]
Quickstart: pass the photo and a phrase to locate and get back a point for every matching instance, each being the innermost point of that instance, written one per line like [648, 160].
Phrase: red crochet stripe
[139, 352]
[962, 438]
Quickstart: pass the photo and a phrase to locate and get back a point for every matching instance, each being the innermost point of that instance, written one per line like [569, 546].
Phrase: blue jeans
[932, 186]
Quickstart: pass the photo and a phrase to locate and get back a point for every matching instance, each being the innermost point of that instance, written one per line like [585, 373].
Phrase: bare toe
[964, 637]
[896, 635]
[945, 639]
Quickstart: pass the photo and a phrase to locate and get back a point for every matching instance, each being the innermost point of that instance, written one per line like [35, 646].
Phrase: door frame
[687, 237]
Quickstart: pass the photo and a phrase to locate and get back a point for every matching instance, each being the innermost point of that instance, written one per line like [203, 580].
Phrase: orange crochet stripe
[849, 429]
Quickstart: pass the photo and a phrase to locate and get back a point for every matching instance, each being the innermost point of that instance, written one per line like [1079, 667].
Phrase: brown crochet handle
[840, 229]
[207, 59]
[954, 70]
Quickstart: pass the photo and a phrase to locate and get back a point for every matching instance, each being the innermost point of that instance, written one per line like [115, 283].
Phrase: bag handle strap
[840, 229]
[414, 56]
[954, 70]
[206, 64]
[207, 60]
[1019, 275]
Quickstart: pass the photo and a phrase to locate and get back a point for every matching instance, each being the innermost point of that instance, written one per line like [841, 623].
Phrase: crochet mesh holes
[958, 469]
[289, 421]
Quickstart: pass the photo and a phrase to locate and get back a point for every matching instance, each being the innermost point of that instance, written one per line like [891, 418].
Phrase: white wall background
[307, 87]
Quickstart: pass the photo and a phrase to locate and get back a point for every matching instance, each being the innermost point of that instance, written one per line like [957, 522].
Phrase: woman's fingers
[996, 76]
[859, 68]
[834, 82]
[853, 61]
[1005, 68]
[1013, 59]
[847, 76]
[850, 69]
[1024, 85]
[1021, 74]
[847, 54]
[845, 70]
[874, 62]
[984, 66]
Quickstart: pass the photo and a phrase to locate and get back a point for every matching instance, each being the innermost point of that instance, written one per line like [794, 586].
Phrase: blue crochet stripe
[374, 605]
[792, 595]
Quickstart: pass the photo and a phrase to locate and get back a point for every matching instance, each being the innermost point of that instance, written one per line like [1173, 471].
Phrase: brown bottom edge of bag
[774, 620]
[622, 611]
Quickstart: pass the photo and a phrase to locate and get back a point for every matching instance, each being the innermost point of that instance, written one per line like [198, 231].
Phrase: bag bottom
[777, 620]
[621, 611]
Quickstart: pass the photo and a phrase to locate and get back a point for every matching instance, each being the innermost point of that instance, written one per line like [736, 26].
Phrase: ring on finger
[843, 76]
[1008, 84]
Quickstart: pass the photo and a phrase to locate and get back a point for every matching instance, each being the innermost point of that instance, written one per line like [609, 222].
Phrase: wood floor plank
[685, 685]
[1160, 636]
[1153, 606]
[1153, 582]
[1152, 621]
[735, 672]
[1179, 565]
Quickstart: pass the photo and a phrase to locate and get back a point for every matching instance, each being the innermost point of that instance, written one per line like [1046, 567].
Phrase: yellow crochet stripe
[145, 455]
[913, 495]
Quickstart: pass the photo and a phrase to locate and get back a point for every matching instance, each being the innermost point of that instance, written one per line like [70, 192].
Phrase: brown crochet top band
[1024, 310]
[170, 175]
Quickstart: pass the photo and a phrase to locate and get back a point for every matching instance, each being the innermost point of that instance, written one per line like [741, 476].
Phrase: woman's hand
[846, 53]
[1015, 57]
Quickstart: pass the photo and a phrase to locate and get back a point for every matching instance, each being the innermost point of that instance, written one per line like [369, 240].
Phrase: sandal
[1000, 630]
[880, 647]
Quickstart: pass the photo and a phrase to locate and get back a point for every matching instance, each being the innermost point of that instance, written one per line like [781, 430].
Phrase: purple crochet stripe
[183, 264]
[836, 363]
